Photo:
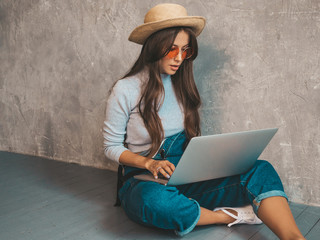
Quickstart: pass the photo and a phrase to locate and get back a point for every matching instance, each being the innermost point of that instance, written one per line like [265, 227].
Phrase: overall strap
[119, 185]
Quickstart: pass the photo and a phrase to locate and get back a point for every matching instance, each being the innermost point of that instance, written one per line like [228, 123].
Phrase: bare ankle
[224, 218]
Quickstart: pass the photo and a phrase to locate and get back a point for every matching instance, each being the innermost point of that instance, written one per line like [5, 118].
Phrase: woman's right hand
[164, 167]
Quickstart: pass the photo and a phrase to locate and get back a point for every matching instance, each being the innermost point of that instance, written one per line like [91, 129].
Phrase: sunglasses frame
[175, 51]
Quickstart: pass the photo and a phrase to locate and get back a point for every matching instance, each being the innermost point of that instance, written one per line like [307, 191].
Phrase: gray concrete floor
[46, 199]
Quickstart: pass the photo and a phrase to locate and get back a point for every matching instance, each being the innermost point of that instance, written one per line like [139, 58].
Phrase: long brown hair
[155, 48]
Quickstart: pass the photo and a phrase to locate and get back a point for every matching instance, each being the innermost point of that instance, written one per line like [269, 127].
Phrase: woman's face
[171, 65]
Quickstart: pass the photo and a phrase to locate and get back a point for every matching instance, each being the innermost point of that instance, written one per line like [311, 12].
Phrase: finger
[164, 173]
[168, 170]
[155, 173]
[172, 167]
[170, 164]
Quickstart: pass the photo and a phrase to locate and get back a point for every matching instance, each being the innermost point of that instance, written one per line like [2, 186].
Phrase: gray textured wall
[258, 67]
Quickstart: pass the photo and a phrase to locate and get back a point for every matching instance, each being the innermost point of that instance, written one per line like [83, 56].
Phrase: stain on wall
[258, 67]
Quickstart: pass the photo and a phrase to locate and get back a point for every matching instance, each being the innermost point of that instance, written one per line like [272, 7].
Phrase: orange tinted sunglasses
[185, 53]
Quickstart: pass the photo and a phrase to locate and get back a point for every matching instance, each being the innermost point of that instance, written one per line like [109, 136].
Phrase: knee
[264, 170]
[151, 197]
[261, 169]
[263, 164]
[159, 200]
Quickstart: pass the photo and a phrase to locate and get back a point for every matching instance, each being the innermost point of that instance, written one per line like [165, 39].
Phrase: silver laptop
[216, 156]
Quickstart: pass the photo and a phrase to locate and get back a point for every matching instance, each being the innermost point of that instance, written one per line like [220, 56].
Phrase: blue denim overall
[178, 207]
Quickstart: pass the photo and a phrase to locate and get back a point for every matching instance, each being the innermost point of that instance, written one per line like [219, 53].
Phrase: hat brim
[142, 32]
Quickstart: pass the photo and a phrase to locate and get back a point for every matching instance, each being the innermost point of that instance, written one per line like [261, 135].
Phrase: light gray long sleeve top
[123, 123]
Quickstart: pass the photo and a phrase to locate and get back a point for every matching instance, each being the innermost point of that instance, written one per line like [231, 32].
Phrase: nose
[179, 56]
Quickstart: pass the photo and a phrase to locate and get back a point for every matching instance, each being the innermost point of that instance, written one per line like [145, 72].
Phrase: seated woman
[151, 115]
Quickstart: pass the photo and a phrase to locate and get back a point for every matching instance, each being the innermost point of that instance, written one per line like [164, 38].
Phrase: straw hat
[165, 16]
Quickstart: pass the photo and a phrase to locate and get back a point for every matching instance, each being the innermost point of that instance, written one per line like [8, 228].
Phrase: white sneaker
[246, 215]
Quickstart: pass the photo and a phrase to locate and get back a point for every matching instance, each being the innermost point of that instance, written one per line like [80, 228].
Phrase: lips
[174, 67]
